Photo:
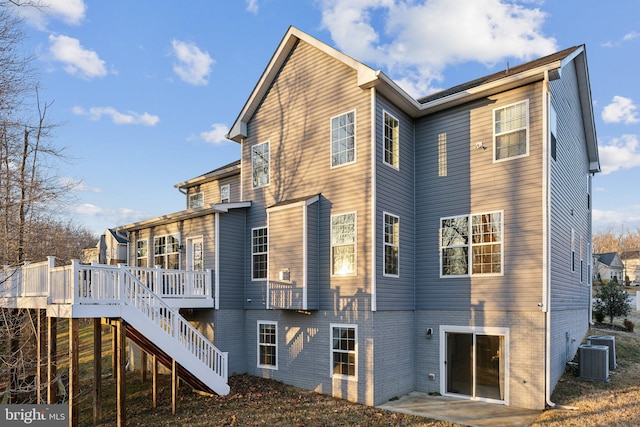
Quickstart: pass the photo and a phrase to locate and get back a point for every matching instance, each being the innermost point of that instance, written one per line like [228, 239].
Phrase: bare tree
[30, 199]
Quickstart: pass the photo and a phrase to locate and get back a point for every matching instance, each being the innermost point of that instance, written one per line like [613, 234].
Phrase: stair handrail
[138, 295]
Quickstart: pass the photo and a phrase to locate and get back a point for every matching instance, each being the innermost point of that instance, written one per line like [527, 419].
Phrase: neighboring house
[631, 260]
[111, 249]
[608, 266]
[369, 244]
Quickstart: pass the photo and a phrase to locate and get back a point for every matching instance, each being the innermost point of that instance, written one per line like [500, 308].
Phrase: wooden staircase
[165, 359]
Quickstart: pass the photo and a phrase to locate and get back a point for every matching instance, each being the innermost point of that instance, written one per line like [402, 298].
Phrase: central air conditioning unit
[594, 362]
[609, 341]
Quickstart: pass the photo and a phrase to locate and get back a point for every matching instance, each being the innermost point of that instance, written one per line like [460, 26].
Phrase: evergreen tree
[612, 300]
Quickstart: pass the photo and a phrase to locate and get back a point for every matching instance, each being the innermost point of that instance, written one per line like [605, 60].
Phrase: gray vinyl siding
[294, 117]
[569, 208]
[233, 243]
[395, 196]
[474, 184]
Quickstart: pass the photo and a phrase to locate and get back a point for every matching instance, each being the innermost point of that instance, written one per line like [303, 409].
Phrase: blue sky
[146, 90]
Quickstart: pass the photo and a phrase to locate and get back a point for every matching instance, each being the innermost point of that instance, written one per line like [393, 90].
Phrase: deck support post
[73, 373]
[97, 371]
[143, 365]
[114, 339]
[14, 348]
[41, 344]
[154, 374]
[120, 377]
[174, 386]
[52, 348]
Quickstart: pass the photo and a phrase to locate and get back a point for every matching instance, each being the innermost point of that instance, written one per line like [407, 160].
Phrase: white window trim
[355, 245]
[341, 376]
[397, 143]
[527, 127]
[136, 249]
[581, 261]
[385, 244]
[179, 252]
[189, 250]
[266, 322]
[193, 196]
[572, 261]
[355, 140]
[470, 245]
[475, 330]
[228, 187]
[268, 166]
[253, 278]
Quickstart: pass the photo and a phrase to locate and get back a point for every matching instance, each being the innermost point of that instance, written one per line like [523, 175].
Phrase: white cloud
[102, 218]
[194, 65]
[632, 35]
[619, 153]
[217, 134]
[74, 184]
[621, 110]
[71, 12]
[623, 218]
[252, 6]
[78, 60]
[118, 118]
[420, 39]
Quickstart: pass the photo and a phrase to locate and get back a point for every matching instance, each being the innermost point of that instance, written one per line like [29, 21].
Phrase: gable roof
[607, 259]
[547, 68]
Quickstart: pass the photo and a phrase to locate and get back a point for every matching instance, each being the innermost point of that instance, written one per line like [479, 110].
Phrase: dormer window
[196, 200]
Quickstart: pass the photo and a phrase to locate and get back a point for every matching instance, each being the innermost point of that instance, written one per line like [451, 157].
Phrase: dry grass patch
[614, 403]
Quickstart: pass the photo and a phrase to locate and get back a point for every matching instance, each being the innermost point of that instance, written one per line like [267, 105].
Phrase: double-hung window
[343, 244]
[196, 200]
[344, 351]
[260, 164]
[391, 245]
[511, 131]
[268, 345]
[166, 251]
[391, 140]
[343, 139]
[142, 253]
[224, 193]
[471, 245]
[259, 248]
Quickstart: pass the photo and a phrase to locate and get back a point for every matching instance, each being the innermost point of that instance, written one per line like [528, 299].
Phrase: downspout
[546, 238]
[216, 266]
[374, 272]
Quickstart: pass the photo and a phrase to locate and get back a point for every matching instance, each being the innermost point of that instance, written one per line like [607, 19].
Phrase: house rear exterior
[369, 244]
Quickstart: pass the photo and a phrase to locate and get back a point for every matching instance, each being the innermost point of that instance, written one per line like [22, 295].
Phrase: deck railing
[136, 294]
[97, 284]
[112, 285]
[174, 283]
